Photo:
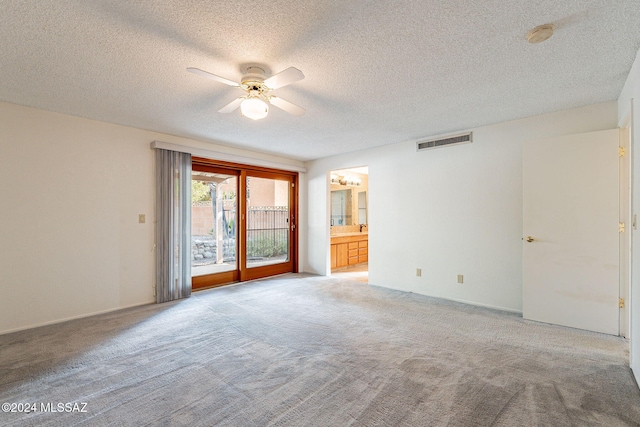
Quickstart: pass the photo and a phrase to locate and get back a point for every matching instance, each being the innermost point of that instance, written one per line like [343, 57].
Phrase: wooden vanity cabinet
[363, 251]
[349, 250]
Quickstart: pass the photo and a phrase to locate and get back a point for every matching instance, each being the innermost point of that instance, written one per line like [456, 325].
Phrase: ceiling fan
[255, 104]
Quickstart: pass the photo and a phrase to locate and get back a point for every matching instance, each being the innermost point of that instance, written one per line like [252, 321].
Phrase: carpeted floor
[315, 351]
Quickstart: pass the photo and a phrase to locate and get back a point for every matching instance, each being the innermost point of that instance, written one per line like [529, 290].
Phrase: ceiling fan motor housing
[252, 82]
[253, 74]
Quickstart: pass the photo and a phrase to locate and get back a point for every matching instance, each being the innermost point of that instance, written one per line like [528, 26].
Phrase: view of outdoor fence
[267, 232]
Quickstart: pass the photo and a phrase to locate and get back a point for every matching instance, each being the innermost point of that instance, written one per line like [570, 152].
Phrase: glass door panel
[213, 223]
[267, 224]
[243, 223]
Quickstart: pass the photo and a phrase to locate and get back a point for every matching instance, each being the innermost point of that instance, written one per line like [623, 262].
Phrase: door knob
[530, 239]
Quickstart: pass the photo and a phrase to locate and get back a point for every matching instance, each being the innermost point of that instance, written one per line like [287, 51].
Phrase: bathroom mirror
[341, 207]
[362, 207]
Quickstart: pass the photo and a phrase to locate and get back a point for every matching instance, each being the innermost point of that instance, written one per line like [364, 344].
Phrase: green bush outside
[266, 246]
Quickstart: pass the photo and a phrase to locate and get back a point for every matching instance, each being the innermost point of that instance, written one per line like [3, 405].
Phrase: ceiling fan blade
[283, 78]
[287, 106]
[212, 76]
[231, 106]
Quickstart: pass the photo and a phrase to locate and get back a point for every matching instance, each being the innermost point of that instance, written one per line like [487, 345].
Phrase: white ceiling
[376, 72]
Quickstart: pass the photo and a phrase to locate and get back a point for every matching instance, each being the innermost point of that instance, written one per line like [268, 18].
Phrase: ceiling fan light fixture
[254, 108]
[255, 103]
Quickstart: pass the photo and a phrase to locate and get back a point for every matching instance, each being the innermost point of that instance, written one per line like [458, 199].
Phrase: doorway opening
[349, 223]
[243, 223]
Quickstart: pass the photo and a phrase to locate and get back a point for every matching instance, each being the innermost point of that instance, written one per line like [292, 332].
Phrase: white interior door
[570, 208]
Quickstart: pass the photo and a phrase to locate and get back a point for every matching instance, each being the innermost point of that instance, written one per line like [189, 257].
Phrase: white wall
[628, 106]
[71, 191]
[449, 211]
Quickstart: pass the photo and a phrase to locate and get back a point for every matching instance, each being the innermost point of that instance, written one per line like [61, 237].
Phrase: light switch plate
[141, 218]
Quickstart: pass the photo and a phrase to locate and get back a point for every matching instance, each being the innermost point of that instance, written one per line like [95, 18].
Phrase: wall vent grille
[450, 140]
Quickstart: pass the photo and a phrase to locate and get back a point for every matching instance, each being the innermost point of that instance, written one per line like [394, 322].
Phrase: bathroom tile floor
[358, 272]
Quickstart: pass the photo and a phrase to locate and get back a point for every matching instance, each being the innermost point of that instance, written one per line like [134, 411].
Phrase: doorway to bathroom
[349, 223]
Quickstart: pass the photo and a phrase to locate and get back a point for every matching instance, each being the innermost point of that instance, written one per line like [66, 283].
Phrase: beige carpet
[315, 351]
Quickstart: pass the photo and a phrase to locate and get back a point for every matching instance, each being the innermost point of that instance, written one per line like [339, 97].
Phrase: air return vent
[450, 140]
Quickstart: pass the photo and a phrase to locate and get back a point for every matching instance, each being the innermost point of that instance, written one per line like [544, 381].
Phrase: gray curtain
[173, 229]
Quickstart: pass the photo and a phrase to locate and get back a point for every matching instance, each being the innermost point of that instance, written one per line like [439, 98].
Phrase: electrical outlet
[418, 272]
[141, 218]
[460, 278]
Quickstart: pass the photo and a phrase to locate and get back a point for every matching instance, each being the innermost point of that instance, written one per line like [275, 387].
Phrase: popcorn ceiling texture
[376, 73]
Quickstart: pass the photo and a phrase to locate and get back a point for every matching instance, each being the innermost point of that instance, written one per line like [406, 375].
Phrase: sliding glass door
[214, 234]
[269, 224]
[243, 223]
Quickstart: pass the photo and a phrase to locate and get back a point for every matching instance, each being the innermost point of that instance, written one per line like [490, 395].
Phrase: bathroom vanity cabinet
[349, 249]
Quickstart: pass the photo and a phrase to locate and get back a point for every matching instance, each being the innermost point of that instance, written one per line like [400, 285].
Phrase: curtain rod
[217, 155]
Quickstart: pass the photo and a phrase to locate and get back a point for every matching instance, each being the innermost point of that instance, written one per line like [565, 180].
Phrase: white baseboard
[477, 304]
[66, 319]
[495, 307]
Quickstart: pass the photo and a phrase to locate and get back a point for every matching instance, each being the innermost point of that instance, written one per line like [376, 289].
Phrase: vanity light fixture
[347, 180]
[353, 181]
[350, 181]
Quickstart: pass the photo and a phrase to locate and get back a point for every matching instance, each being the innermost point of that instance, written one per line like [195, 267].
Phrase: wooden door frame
[225, 277]
[291, 265]
[242, 273]
[625, 218]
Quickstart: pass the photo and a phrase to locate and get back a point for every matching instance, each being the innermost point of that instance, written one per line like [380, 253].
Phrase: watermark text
[49, 407]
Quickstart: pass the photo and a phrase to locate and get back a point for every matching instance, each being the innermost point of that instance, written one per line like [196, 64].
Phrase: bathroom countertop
[365, 234]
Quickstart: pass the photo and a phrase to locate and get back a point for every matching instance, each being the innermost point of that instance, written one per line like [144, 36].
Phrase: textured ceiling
[376, 72]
